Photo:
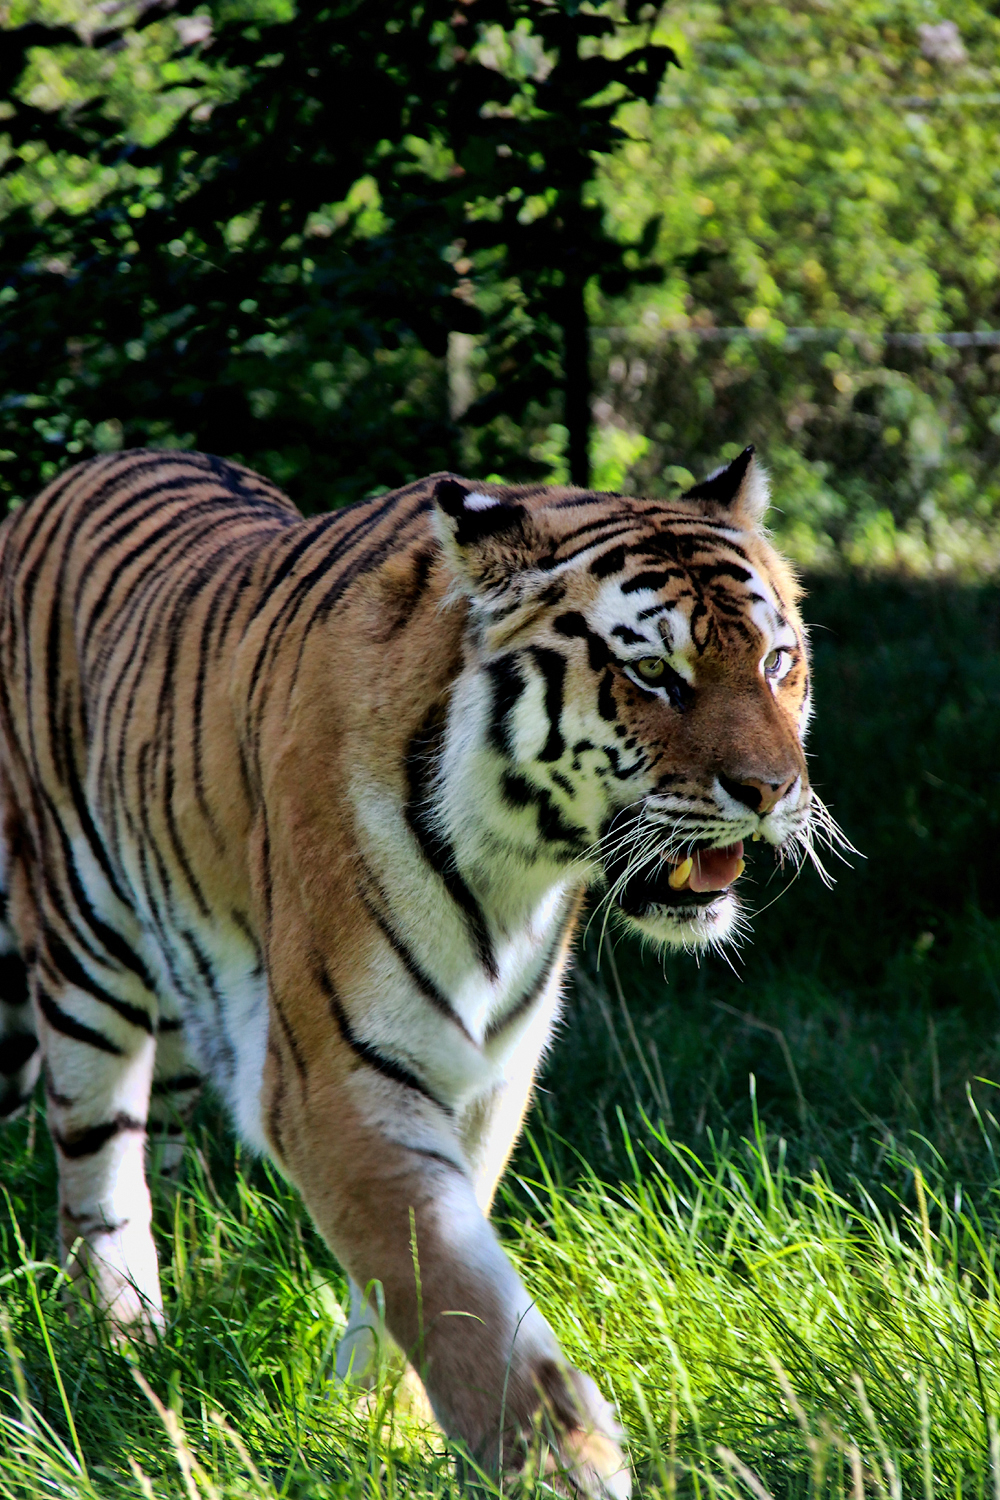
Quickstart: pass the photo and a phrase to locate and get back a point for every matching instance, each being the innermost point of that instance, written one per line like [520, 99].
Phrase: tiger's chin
[703, 920]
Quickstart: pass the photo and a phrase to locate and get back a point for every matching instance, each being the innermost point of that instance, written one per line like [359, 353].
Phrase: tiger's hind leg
[97, 1026]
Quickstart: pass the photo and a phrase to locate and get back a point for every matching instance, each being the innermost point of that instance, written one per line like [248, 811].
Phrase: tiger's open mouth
[696, 879]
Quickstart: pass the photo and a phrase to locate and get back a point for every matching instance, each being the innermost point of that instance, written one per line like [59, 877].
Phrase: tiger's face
[640, 674]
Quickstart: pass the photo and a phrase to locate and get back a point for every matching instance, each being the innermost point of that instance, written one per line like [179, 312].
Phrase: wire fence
[824, 98]
[961, 339]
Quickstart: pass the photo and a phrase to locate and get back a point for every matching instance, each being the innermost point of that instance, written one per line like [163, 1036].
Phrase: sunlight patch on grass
[738, 1313]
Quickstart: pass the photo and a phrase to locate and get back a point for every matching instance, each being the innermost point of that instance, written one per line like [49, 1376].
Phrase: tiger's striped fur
[307, 808]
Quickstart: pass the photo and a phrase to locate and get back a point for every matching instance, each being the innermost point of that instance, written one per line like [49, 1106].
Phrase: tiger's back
[122, 818]
[307, 808]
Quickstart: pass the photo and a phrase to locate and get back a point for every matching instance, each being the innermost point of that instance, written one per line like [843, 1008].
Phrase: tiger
[307, 808]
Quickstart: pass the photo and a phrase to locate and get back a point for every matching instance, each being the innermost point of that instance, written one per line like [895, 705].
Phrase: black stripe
[552, 666]
[70, 968]
[243, 923]
[406, 597]
[59, 1020]
[551, 825]
[90, 831]
[109, 938]
[342, 539]
[173, 628]
[552, 593]
[437, 1156]
[654, 581]
[508, 685]
[274, 1135]
[290, 1037]
[425, 984]
[605, 528]
[609, 532]
[15, 1049]
[48, 817]
[89, 1142]
[291, 557]
[201, 678]
[66, 1101]
[374, 1059]
[238, 583]
[91, 1223]
[247, 486]
[436, 848]
[608, 563]
[53, 657]
[366, 562]
[639, 764]
[180, 1083]
[709, 572]
[606, 705]
[13, 980]
[572, 625]
[534, 993]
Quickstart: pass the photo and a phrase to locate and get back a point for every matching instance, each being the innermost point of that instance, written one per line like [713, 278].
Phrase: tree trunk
[576, 375]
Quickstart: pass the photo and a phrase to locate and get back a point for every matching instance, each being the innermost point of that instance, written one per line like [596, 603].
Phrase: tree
[278, 275]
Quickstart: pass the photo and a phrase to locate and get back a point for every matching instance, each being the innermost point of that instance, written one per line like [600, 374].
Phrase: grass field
[761, 1207]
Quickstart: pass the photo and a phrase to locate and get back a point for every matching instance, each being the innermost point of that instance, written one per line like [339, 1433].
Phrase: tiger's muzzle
[677, 889]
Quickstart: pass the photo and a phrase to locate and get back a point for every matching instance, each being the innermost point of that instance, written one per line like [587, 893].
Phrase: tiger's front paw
[579, 1436]
[115, 1272]
[592, 1463]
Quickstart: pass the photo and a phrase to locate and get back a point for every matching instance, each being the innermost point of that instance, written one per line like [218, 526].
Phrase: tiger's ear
[740, 488]
[487, 537]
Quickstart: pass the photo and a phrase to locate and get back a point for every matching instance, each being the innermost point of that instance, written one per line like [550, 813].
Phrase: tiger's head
[635, 693]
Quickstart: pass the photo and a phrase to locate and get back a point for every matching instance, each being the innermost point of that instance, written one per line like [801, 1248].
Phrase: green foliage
[275, 272]
[810, 177]
[830, 187]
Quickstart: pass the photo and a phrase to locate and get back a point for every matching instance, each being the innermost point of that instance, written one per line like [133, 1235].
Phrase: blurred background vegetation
[356, 242]
[353, 243]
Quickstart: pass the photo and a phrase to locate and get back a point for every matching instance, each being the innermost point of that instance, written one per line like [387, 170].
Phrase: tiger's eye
[773, 660]
[651, 667]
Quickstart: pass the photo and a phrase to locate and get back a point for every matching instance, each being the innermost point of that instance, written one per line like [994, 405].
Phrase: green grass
[762, 1211]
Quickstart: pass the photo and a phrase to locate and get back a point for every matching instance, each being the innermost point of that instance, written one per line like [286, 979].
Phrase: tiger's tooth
[680, 874]
[741, 865]
[757, 837]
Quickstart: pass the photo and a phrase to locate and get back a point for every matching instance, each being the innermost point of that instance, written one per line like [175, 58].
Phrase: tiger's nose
[760, 796]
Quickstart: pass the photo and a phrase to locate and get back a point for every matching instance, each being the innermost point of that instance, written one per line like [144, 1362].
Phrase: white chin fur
[691, 928]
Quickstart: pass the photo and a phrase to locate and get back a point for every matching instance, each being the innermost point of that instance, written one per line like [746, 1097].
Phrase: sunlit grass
[760, 1332]
[742, 1314]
